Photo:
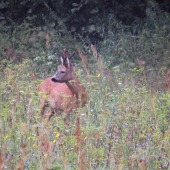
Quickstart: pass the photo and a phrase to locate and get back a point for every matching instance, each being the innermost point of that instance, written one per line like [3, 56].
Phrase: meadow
[124, 125]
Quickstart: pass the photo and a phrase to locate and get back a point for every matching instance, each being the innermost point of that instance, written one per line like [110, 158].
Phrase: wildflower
[33, 137]
[51, 57]
[137, 145]
[43, 52]
[106, 145]
[86, 158]
[29, 137]
[67, 159]
[54, 141]
[147, 160]
[95, 166]
[34, 145]
[140, 160]
[159, 158]
[58, 135]
[32, 39]
[45, 155]
[165, 166]
[85, 138]
[6, 138]
[98, 75]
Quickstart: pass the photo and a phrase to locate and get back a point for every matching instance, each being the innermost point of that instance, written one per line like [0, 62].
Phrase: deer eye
[62, 72]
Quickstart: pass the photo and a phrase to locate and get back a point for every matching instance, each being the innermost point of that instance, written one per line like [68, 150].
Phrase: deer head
[65, 72]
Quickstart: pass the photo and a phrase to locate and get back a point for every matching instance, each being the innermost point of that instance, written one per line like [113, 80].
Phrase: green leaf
[75, 4]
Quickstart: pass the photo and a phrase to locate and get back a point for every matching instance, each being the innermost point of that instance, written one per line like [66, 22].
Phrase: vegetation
[125, 124]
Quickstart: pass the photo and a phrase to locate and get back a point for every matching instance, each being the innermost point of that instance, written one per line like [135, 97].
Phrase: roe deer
[62, 92]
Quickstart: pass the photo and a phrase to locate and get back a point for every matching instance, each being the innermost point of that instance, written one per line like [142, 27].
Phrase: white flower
[51, 57]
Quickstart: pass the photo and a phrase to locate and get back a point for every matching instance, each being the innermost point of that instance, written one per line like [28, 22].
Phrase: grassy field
[125, 124]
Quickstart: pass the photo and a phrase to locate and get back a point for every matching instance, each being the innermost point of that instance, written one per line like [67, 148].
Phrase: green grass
[125, 124]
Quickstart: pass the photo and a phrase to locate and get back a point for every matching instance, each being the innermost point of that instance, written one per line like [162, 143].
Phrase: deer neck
[75, 86]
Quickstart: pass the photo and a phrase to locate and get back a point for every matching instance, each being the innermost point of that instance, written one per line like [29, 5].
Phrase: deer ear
[62, 61]
[68, 61]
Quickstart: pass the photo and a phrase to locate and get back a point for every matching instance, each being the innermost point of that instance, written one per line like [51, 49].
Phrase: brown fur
[67, 96]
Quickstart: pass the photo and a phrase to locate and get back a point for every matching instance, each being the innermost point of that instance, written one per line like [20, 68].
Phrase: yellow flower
[43, 52]
[29, 137]
[54, 141]
[85, 138]
[98, 75]
[6, 137]
[34, 145]
[58, 135]
[67, 159]
[46, 155]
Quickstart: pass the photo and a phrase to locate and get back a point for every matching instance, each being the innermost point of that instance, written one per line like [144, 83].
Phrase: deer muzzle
[54, 79]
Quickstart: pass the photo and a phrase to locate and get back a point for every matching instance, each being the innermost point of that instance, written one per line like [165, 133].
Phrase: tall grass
[125, 124]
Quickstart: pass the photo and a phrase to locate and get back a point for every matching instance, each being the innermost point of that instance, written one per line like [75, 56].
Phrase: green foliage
[118, 39]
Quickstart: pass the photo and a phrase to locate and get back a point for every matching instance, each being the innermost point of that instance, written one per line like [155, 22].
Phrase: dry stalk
[83, 60]
[47, 41]
[1, 162]
[94, 51]
[80, 144]
[167, 80]
[29, 106]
